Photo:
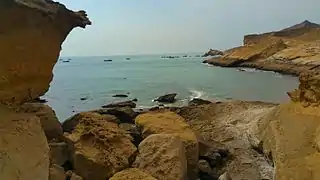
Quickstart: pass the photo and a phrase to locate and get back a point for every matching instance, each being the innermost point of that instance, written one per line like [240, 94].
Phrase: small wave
[196, 94]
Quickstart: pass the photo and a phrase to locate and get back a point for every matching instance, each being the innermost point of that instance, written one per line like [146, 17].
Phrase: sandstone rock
[163, 156]
[124, 114]
[24, 151]
[73, 176]
[100, 147]
[167, 98]
[121, 104]
[69, 124]
[198, 101]
[134, 131]
[132, 174]
[48, 119]
[289, 133]
[56, 173]
[171, 123]
[31, 39]
[59, 153]
[225, 176]
[205, 171]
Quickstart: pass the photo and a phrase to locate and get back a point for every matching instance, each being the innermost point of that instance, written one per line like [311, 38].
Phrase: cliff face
[299, 52]
[31, 34]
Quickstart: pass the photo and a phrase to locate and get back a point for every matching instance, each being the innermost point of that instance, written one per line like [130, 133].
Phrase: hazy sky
[168, 26]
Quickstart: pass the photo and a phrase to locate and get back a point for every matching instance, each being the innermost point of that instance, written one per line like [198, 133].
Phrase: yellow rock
[132, 174]
[171, 123]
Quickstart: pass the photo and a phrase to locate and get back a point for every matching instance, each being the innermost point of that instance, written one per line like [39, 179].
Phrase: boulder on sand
[168, 98]
[168, 122]
[121, 104]
[163, 156]
[99, 147]
[132, 174]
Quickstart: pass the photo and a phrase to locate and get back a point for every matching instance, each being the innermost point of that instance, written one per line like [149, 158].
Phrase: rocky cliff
[292, 50]
[31, 35]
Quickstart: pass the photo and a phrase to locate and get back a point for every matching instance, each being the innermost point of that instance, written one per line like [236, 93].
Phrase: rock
[163, 156]
[171, 123]
[214, 158]
[25, 76]
[24, 151]
[73, 176]
[48, 119]
[56, 173]
[135, 100]
[39, 100]
[83, 98]
[120, 95]
[198, 101]
[100, 148]
[69, 124]
[213, 52]
[133, 131]
[121, 104]
[225, 176]
[132, 174]
[107, 60]
[205, 171]
[168, 98]
[59, 153]
[124, 114]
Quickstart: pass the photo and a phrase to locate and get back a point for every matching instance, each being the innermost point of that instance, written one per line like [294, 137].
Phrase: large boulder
[124, 114]
[213, 52]
[132, 174]
[31, 36]
[163, 156]
[24, 151]
[130, 104]
[167, 98]
[168, 122]
[48, 119]
[100, 148]
[59, 153]
[57, 173]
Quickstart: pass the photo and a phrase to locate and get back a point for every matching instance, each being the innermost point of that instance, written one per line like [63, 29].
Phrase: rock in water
[198, 101]
[30, 50]
[121, 104]
[163, 156]
[168, 98]
[132, 174]
[171, 123]
[213, 52]
[100, 147]
[120, 95]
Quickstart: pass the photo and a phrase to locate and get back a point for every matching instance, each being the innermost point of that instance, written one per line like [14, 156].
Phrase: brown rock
[100, 147]
[124, 114]
[163, 156]
[73, 176]
[134, 131]
[171, 123]
[24, 151]
[31, 49]
[59, 153]
[56, 173]
[130, 104]
[48, 119]
[132, 174]
[167, 98]
[198, 101]
[72, 122]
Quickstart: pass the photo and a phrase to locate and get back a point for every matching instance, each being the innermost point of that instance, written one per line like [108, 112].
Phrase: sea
[145, 77]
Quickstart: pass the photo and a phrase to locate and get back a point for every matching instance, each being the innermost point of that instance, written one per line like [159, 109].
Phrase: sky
[178, 26]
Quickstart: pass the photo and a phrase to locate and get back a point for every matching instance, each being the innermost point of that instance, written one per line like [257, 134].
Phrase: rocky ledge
[290, 51]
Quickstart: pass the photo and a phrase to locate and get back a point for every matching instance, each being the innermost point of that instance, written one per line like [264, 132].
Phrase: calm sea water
[146, 77]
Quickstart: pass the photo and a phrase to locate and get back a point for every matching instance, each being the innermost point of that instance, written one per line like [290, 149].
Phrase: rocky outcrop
[292, 50]
[213, 52]
[99, 147]
[171, 123]
[130, 104]
[167, 98]
[31, 35]
[163, 156]
[132, 174]
[24, 151]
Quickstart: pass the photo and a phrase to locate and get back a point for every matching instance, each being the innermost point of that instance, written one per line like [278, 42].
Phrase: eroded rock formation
[292, 50]
[31, 35]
